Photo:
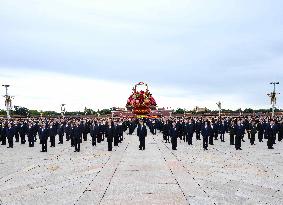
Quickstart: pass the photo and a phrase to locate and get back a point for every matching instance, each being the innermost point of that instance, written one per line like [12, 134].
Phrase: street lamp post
[272, 96]
[219, 108]
[8, 101]
[63, 110]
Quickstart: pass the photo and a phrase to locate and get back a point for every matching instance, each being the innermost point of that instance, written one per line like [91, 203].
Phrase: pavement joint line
[259, 165]
[182, 164]
[172, 173]
[233, 155]
[103, 165]
[34, 167]
[113, 175]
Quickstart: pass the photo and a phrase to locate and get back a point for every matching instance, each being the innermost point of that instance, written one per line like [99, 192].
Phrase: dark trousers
[238, 142]
[232, 139]
[99, 137]
[4, 141]
[109, 146]
[198, 135]
[190, 139]
[23, 140]
[93, 140]
[31, 143]
[216, 135]
[260, 136]
[52, 141]
[270, 142]
[61, 137]
[116, 141]
[85, 136]
[72, 142]
[11, 143]
[211, 139]
[174, 143]
[17, 137]
[222, 137]
[44, 145]
[280, 136]
[205, 142]
[77, 145]
[142, 144]
[252, 139]
[166, 138]
[67, 137]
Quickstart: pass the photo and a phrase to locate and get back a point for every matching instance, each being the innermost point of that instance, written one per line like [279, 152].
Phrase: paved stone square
[127, 175]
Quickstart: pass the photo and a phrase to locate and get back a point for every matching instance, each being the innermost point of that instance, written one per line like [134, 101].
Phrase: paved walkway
[127, 175]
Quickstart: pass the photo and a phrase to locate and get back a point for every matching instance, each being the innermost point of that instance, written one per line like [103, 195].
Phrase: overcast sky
[91, 52]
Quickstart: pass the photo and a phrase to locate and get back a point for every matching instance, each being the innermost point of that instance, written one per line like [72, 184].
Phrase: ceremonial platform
[127, 175]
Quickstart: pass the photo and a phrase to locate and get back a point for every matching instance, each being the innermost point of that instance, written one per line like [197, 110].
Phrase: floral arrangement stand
[141, 102]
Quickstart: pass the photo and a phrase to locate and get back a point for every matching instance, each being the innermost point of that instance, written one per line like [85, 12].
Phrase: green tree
[104, 112]
[2, 112]
[89, 111]
[22, 111]
[248, 110]
[34, 113]
[179, 111]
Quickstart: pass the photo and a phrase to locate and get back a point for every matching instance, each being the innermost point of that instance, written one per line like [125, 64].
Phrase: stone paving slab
[156, 175]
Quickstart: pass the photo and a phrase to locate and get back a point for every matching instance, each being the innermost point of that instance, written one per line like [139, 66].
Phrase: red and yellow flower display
[141, 102]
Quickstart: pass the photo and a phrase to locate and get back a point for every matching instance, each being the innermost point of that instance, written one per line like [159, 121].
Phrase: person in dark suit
[110, 134]
[93, 133]
[30, 134]
[116, 135]
[85, 130]
[77, 134]
[16, 131]
[52, 134]
[260, 130]
[22, 131]
[3, 134]
[142, 133]
[189, 132]
[174, 136]
[253, 131]
[239, 131]
[67, 130]
[10, 135]
[205, 132]
[213, 133]
[43, 136]
[221, 128]
[232, 133]
[166, 129]
[271, 129]
[198, 127]
[60, 132]
[215, 130]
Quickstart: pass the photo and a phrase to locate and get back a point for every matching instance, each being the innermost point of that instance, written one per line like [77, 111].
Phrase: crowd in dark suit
[215, 128]
[74, 130]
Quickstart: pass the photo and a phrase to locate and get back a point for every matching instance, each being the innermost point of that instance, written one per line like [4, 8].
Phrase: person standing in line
[10, 135]
[77, 132]
[174, 136]
[205, 132]
[43, 136]
[30, 134]
[253, 131]
[142, 135]
[232, 132]
[239, 133]
[110, 134]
